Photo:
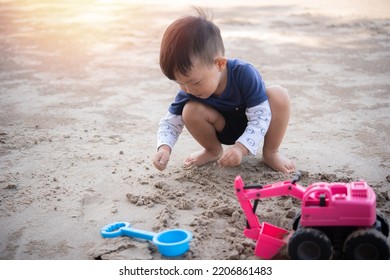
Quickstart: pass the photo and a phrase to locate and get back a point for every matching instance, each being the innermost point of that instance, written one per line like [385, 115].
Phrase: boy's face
[203, 80]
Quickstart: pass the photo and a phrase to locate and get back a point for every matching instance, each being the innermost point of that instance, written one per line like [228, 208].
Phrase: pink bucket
[271, 239]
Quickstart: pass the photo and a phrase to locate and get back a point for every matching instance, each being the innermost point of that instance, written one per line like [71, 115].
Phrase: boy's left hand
[233, 155]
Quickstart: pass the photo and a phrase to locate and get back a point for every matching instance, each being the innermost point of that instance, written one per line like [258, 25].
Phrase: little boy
[220, 101]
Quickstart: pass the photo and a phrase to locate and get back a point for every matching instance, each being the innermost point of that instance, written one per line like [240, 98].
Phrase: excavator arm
[247, 193]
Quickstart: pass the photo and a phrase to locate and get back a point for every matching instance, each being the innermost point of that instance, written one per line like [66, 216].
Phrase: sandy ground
[81, 94]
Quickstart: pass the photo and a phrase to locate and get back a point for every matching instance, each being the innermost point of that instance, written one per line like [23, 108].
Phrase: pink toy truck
[335, 218]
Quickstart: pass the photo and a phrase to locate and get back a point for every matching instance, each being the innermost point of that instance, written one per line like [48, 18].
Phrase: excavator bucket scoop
[270, 241]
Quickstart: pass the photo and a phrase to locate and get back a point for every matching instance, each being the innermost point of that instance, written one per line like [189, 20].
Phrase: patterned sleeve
[169, 129]
[259, 118]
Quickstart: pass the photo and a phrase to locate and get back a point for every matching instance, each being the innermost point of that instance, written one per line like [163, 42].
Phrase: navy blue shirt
[245, 88]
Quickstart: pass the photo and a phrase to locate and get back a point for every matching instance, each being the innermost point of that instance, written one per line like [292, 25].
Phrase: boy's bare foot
[201, 157]
[278, 162]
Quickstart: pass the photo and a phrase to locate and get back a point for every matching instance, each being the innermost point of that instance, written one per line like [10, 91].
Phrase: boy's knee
[189, 107]
[278, 95]
[191, 110]
[197, 113]
[277, 91]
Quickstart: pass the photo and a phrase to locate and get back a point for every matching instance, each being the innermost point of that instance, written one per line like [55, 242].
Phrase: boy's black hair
[188, 38]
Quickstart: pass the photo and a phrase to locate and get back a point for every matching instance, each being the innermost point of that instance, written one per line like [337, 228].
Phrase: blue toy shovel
[170, 243]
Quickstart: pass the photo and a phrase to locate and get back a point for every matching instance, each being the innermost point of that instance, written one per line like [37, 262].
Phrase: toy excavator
[334, 217]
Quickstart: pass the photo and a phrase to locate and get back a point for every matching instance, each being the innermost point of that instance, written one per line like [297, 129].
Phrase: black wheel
[309, 244]
[366, 244]
[384, 224]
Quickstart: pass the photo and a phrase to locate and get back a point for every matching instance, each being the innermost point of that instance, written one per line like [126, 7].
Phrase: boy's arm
[259, 119]
[169, 129]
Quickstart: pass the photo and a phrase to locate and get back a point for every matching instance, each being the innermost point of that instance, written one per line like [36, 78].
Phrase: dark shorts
[235, 125]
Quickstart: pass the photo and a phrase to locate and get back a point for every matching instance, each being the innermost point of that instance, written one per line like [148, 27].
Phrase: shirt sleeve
[259, 119]
[251, 85]
[169, 129]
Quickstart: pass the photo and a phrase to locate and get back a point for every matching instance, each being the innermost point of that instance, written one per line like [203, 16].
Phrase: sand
[81, 95]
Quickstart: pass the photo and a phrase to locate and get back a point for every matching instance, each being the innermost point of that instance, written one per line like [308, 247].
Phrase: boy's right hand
[161, 158]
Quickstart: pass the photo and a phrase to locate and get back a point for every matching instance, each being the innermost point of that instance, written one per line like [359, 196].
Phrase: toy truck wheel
[366, 244]
[309, 244]
[384, 224]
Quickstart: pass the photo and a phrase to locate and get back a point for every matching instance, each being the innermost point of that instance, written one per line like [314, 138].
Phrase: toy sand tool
[170, 243]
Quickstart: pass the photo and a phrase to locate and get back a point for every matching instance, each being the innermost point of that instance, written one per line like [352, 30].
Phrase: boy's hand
[161, 158]
[233, 155]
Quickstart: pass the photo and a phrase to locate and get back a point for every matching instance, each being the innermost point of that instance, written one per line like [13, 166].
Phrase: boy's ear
[221, 62]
